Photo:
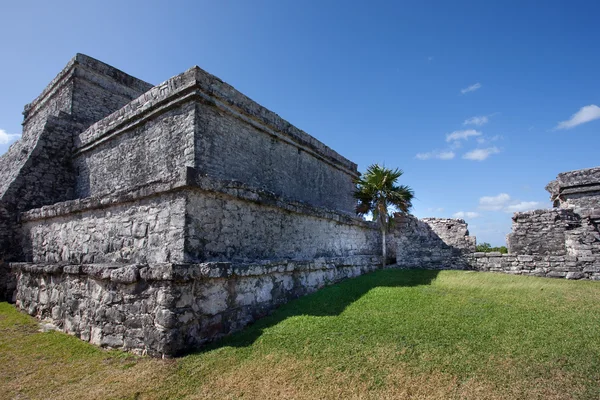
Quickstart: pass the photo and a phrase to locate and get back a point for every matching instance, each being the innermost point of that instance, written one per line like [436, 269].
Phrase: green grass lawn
[389, 334]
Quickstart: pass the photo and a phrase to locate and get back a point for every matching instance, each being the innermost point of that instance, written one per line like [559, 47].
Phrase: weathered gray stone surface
[431, 242]
[196, 120]
[37, 170]
[149, 230]
[200, 219]
[579, 189]
[569, 267]
[541, 232]
[167, 309]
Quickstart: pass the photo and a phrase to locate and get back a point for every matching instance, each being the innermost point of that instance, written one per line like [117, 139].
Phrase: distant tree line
[487, 248]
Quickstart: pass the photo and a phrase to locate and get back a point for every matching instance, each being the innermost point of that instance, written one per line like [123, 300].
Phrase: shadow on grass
[329, 301]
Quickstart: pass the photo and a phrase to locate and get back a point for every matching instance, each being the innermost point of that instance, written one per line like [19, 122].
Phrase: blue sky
[481, 103]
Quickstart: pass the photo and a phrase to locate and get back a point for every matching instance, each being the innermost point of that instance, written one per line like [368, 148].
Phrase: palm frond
[377, 189]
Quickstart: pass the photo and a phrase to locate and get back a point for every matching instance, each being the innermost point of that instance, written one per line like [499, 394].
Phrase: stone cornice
[182, 272]
[192, 180]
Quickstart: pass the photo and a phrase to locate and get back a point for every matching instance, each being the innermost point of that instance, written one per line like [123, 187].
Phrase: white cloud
[585, 114]
[494, 203]
[479, 121]
[481, 154]
[465, 214]
[523, 206]
[460, 135]
[440, 155]
[471, 88]
[503, 202]
[486, 139]
[6, 138]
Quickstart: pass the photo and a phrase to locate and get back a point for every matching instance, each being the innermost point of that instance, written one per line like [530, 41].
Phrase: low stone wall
[167, 309]
[569, 267]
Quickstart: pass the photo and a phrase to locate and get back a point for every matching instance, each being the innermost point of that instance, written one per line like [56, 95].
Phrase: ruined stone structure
[156, 218]
[437, 243]
[578, 190]
[562, 242]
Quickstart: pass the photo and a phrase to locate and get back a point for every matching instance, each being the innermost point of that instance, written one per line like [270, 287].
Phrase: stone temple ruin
[157, 218]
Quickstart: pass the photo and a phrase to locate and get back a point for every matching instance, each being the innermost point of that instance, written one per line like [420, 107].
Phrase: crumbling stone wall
[431, 242]
[583, 240]
[541, 232]
[556, 243]
[579, 189]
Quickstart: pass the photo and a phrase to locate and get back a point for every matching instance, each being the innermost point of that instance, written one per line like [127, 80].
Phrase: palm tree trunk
[384, 248]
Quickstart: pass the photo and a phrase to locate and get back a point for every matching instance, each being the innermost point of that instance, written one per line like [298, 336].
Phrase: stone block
[575, 275]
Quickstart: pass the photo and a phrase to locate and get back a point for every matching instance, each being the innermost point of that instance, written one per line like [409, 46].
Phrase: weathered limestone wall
[233, 138]
[230, 147]
[151, 181]
[36, 170]
[149, 230]
[44, 175]
[226, 227]
[579, 189]
[583, 240]
[166, 309]
[541, 232]
[568, 266]
[453, 232]
[156, 150]
[555, 243]
[196, 220]
[431, 242]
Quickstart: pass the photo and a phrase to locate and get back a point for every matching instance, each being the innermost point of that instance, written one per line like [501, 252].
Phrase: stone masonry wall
[431, 242]
[37, 170]
[167, 309]
[198, 219]
[453, 232]
[224, 227]
[235, 139]
[567, 266]
[157, 150]
[541, 232]
[579, 189]
[228, 147]
[149, 230]
[556, 243]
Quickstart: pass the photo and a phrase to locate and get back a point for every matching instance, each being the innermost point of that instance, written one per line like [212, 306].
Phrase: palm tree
[377, 192]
